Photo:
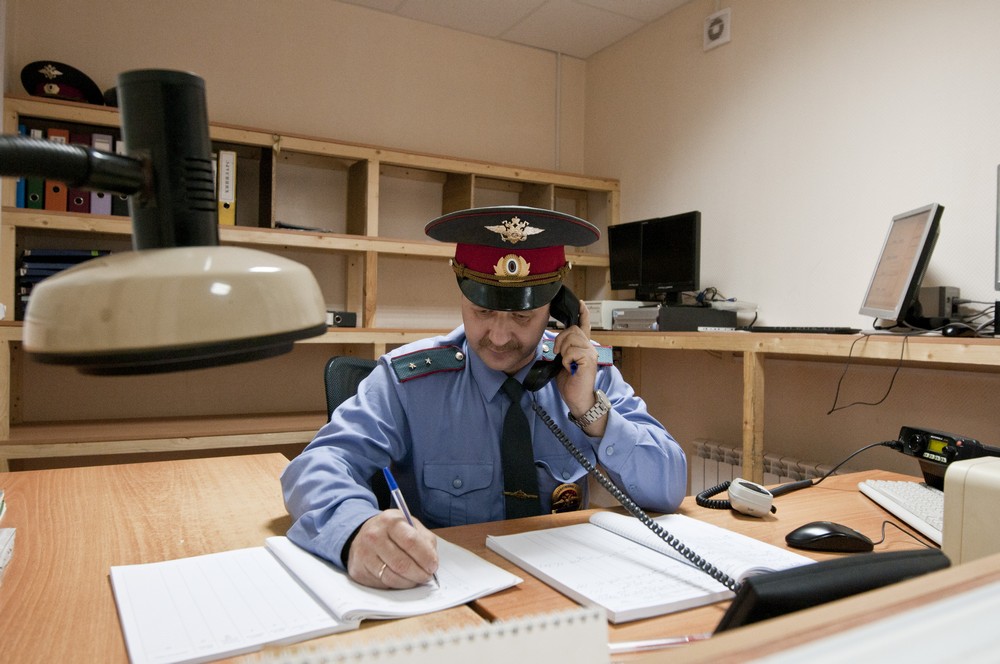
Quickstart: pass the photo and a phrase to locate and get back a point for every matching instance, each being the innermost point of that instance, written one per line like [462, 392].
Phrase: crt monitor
[894, 287]
[659, 258]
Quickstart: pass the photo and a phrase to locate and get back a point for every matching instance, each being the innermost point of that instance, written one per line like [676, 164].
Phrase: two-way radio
[935, 450]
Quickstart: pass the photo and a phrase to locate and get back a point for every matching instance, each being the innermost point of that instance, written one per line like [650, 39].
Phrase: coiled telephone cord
[633, 508]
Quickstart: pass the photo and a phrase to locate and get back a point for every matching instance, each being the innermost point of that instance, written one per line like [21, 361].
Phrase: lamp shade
[171, 309]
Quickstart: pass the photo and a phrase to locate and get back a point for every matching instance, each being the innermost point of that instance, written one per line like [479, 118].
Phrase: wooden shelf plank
[258, 237]
[967, 353]
[76, 438]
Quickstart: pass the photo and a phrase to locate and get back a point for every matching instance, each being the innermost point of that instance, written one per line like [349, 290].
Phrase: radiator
[714, 463]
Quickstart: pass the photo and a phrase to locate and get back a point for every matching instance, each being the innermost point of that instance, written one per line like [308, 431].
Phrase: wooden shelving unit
[358, 193]
[366, 248]
[756, 349]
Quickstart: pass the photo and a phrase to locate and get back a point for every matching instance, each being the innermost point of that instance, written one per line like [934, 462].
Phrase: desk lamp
[180, 300]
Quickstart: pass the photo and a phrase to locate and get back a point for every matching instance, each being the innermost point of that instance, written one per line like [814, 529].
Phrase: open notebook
[616, 563]
[234, 602]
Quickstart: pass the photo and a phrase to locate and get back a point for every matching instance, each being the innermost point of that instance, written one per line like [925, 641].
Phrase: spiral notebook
[616, 563]
[577, 635]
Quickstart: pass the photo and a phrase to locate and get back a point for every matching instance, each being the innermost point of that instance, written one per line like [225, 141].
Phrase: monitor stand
[915, 319]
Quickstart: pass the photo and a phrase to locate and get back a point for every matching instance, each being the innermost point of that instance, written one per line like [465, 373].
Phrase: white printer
[601, 317]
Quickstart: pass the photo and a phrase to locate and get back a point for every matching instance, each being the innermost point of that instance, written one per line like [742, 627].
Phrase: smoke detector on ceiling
[717, 29]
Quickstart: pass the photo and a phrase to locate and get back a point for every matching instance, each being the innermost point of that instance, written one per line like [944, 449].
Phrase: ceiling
[578, 28]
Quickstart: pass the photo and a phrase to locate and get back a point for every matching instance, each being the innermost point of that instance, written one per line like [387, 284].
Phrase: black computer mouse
[958, 330]
[828, 536]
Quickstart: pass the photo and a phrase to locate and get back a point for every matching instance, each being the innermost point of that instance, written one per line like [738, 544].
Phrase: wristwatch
[596, 412]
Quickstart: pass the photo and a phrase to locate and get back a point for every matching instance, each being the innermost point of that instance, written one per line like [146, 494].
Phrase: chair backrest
[342, 376]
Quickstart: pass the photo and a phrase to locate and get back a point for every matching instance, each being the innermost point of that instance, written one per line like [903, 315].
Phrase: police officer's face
[504, 340]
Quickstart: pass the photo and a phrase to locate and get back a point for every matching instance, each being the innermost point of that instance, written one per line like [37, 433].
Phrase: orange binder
[79, 199]
[56, 193]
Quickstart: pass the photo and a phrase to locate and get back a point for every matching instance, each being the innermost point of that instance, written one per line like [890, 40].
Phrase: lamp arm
[76, 165]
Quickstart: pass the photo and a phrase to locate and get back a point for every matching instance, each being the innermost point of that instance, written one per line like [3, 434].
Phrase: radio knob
[916, 443]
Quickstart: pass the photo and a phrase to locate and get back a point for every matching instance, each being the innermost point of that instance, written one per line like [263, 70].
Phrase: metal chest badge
[566, 498]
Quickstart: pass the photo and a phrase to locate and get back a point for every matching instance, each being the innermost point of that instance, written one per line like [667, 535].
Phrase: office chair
[341, 378]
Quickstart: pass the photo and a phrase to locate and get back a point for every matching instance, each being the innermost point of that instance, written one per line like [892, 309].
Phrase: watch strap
[597, 411]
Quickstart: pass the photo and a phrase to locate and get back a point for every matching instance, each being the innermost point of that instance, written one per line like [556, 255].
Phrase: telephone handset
[565, 308]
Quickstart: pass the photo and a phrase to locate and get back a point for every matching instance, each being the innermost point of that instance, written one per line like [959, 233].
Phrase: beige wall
[798, 141]
[801, 138]
[324, 68]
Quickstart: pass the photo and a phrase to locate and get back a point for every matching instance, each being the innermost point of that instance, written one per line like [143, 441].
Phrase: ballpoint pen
[655, 644]
[397, 497]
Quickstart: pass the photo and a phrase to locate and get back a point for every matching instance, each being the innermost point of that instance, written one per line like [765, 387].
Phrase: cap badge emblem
[512, 265]
[50, 72]
[514, 230]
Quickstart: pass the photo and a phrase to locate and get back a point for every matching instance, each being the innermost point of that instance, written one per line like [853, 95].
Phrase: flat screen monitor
[895, 284]
[659, 258]
[625, 255]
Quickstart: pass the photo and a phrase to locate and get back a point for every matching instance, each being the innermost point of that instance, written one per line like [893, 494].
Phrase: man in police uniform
[441, 413]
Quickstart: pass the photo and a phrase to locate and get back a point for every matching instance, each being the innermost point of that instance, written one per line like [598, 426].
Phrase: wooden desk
[836, 499]
[56, 603]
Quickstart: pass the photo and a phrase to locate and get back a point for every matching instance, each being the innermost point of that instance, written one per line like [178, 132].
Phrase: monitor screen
[905, 254]
[660, 258]
[624, 255]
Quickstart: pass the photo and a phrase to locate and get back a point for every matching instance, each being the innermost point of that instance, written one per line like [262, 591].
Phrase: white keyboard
[915, 503]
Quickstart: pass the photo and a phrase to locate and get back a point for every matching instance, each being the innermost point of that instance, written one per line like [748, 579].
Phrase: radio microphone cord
[703, 499]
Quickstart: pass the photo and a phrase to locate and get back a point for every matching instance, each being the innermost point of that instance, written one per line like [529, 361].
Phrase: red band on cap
[59, 90]
[483, 259]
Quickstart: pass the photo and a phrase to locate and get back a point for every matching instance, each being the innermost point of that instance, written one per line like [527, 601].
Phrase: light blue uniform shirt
[438, 424]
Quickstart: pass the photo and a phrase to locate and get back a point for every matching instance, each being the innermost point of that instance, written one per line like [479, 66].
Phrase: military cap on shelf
[511, 257]
[47, 78]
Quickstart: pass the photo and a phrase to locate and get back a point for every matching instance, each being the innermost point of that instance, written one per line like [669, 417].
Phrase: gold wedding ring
[382, 571]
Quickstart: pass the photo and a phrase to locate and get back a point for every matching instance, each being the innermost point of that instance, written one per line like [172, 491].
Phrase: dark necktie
[520, 483]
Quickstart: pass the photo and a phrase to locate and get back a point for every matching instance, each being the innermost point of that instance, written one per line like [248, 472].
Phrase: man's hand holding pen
[388, 552]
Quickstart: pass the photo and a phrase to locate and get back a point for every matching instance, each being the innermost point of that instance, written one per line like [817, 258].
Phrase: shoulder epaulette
[428, 361]
[604, 353]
